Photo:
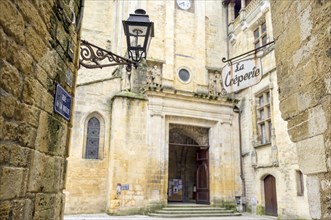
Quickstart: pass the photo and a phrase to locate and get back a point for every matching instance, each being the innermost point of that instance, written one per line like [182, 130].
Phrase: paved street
[103, 216]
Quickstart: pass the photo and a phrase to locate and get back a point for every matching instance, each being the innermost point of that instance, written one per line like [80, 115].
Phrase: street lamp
[138, 30]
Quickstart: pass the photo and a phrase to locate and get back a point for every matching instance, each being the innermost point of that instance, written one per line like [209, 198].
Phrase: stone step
[189, 215]
[192, 210]
[163, 211]
[187, 205]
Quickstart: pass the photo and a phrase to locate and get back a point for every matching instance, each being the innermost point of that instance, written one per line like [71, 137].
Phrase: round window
[184, 75]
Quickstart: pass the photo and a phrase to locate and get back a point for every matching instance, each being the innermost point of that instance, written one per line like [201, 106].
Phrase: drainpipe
[237, 110]
[226, 4]
[81, 13]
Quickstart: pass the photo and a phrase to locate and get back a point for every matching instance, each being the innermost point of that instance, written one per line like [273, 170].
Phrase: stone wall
[129, 161]
[34, 36]
[277, 157]
[136, 147]
[87, 179]
[302, 34]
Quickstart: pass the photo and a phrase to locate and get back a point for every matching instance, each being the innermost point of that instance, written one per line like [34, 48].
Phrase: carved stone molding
[215, 84]
[154, 75]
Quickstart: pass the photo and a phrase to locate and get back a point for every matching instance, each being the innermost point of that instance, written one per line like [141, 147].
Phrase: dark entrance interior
[188, 177]
[270, 195]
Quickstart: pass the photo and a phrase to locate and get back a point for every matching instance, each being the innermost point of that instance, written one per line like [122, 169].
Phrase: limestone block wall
[34, 36]
[98, 29]
[193, 39]
[302, 33]
[139, 148]
[289, 204]
[87, 179]
[281, 149]
[129, 162]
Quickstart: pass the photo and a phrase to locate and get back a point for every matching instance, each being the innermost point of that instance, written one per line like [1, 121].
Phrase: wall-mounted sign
[62, 102]
[69, 77]
[241, 74]
[125, 187]
[70, 51]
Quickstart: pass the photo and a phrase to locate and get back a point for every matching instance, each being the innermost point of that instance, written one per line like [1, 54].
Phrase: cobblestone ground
[103, 216]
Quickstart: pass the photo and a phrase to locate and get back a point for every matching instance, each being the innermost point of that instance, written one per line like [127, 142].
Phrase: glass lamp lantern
[139, 31]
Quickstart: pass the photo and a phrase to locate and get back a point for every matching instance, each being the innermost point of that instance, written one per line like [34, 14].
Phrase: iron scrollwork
[91, 57]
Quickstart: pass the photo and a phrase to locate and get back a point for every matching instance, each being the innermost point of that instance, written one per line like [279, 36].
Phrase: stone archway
[198, 134]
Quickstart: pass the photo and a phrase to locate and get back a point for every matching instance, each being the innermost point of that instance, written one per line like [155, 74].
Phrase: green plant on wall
[260, 210]
[229, 205]
[249, 209]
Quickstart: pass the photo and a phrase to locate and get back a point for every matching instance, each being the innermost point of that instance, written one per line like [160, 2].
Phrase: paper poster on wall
[175, 190]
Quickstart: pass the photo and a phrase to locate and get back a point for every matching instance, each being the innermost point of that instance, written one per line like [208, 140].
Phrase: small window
[261, 101]
[263, 28]
[264, 125]
[237, 8]
[184, 75]
[299, 180]
[247, 2]
[256, 34]
[261, 115]
[260, 35]
[92, 139]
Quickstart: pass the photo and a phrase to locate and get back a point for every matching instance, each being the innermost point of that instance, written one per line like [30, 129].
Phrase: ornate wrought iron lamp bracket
[91, 57]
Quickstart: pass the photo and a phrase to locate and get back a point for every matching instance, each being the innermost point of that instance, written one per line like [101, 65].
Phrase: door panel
[270, 196]
[202, 176]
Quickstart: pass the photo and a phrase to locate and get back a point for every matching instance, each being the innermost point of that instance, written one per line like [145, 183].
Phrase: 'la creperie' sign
[241, 74]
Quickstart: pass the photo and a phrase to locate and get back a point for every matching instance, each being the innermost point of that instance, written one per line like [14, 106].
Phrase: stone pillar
[34, 37]
[242, 10]
[231, 20]
[231, 12]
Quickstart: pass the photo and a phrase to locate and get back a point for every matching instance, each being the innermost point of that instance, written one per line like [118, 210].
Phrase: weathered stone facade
[303, 37]
[276, 155]
[34, 139]
[138, 112]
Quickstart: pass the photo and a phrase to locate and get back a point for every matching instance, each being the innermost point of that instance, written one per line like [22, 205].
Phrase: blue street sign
[125, 187]
[62, 102]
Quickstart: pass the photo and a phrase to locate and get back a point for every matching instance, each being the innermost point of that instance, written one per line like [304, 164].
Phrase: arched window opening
[92, 139]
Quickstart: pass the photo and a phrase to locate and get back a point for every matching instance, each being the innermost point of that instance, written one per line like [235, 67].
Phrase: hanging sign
[241, 74]
[62, 102]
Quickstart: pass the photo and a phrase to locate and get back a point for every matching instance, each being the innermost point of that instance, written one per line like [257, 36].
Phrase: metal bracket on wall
[224, 60]
[70, 51]
[91, 57]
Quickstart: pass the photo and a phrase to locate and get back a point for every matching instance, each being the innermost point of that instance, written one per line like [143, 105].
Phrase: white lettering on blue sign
[62, 102]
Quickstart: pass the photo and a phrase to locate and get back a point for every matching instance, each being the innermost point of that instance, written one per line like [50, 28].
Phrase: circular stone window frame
[190, 75]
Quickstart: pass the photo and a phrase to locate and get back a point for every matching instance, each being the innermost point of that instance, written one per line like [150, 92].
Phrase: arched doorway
[188, 173]
[270, 195]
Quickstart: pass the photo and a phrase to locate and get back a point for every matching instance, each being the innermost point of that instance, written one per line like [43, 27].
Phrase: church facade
[168, 131]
